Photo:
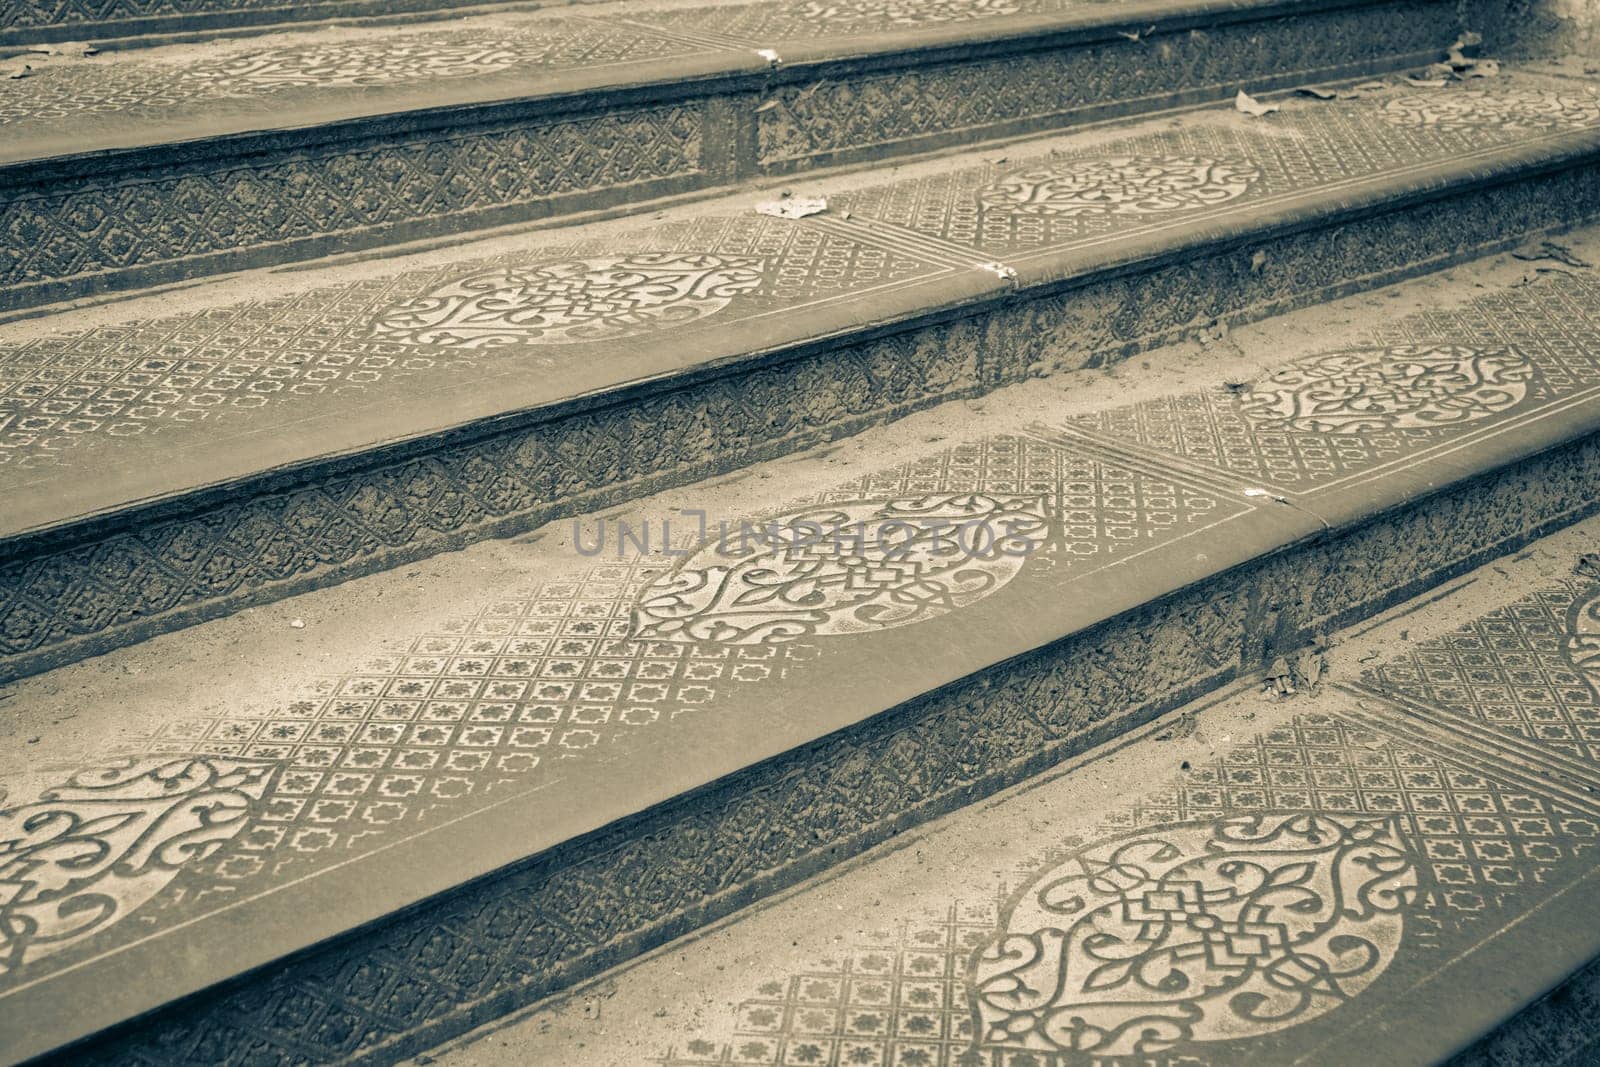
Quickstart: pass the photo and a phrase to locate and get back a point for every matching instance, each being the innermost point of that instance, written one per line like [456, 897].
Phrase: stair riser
[102, 584]
[477, 953]
[143, 217]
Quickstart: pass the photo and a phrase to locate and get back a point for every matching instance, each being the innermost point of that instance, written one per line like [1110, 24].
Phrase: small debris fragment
[16, 70]
[1249, 105]
[1426, 83]
[1134, 36]
[591, 1008]
[1237, 388]
[999, 270]
[65, 48]
[1483, 68]
[792, 207]
[1279, 681]
[1258, 261]
[297, 624]
[770, 55]
[1184, 727]
[1317, 92]
[1588, 565]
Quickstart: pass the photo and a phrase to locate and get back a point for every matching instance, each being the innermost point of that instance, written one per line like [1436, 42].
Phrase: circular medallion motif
[364, 63]
[572, 301]
[905, 12]
[1399, 388]
[1119, 185]
[1524, 109]
[1198, 931]
[846, 568]
[87, 853]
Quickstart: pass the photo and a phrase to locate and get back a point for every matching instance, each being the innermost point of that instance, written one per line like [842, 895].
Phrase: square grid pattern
[1512, 670]
[1424, 381]
[480, 701]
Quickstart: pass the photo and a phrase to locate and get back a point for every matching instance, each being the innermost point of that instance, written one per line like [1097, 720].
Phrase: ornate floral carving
[1516, 109]
[1200, 931]
[846, 568]
[573, 301]
[1403, 387]
[1120, 185]
[87, 853]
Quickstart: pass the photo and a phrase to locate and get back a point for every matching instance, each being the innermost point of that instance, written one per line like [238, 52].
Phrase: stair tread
[436, 754]
[268, 373]
[1480, 903]
[294, 81]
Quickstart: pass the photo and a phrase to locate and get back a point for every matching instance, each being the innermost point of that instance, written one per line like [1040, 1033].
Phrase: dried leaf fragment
[1249, 105]
[1279, 682]
[795, 207]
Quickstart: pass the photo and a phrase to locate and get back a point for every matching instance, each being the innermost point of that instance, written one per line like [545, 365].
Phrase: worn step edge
[1030, 706]
[1556, 1024]
[1267, 44]
[1323, 251]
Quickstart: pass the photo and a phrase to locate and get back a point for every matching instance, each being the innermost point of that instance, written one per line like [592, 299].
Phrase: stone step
[149, 166]
[176, 457]
[351, 825]
[1428, 815]
[32, 24]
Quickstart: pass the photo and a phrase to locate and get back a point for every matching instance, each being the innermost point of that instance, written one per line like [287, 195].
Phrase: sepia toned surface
[555, 697]
[1259, 881]
[308, 144]
[155, 407]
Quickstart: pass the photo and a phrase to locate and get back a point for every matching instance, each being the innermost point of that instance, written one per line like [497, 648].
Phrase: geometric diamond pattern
[1483, 840]
[479, 702]
[1510, 670]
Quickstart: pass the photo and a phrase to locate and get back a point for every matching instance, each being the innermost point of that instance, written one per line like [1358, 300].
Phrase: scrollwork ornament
[1405, 387]
[846, 568]
[1119, 186]
[88, 852]
[572, 301]
[1193, 932]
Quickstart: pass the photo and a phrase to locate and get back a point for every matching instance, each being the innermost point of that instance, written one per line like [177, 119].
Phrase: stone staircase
[343, 717]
